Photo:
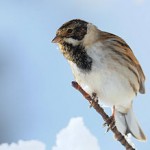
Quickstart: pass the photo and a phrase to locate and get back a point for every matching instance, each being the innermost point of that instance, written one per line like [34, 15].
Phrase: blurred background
[36, 97]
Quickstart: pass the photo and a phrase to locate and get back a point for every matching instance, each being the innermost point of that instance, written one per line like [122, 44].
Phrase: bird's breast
[105, 78]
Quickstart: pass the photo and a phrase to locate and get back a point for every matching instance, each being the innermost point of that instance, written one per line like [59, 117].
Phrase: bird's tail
[127, 123]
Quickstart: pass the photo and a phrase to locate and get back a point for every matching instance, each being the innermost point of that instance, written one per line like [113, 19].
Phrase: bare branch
[100, 110]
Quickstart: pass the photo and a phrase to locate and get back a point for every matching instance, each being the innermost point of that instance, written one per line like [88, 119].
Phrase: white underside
[106, 80]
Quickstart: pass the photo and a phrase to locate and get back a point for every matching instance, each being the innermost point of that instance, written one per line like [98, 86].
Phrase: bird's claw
[110, 122]
[94, 99]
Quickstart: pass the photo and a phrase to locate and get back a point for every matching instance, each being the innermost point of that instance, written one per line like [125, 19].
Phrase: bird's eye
[69, 31]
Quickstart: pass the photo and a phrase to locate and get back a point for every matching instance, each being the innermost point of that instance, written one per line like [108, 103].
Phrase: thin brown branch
[100, 110]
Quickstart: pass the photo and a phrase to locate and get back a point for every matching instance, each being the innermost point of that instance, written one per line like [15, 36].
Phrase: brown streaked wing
[124, 49]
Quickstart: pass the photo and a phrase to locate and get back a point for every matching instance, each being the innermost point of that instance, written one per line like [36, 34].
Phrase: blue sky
[36, 97]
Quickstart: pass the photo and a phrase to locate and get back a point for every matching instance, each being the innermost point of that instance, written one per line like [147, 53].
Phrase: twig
[100, 110]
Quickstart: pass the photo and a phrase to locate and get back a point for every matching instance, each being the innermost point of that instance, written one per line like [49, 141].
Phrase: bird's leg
[94, 98]
[111, 121]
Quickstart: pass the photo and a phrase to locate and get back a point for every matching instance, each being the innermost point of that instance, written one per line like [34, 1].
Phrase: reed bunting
[104, 64]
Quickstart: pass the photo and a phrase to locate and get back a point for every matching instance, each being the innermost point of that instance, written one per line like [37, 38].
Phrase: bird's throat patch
[78, 55]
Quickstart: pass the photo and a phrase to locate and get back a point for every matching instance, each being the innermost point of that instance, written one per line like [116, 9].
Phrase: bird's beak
[57, 39]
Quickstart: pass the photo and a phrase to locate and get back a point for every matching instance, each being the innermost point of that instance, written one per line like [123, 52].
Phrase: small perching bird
[104, 64]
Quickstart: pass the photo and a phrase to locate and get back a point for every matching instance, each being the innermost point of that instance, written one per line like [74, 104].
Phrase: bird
[103, 63]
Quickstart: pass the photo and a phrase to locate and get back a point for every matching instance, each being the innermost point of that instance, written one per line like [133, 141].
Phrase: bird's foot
[94, 99]
[110, 122]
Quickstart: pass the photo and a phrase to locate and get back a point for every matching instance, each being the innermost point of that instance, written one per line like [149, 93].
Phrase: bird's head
[77, 32]
[71, 32]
